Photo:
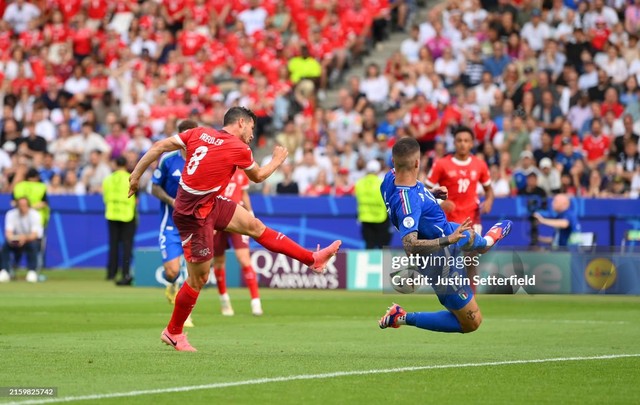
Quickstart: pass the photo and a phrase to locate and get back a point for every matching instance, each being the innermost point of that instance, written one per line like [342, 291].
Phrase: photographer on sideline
[536, 201]
[565, 222]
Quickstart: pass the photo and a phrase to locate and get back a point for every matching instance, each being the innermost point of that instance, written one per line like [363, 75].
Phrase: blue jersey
[562, 235]
[414, 209]
[167, 176]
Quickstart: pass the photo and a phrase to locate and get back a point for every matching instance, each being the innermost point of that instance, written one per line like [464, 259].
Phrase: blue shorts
[449, 281]
[170, 243]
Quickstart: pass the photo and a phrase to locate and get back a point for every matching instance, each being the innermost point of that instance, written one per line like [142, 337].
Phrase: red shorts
[196, 234]
[224, 240]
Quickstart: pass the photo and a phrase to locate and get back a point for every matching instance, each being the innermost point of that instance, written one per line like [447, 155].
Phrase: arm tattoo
[471, 315]
[413, 245]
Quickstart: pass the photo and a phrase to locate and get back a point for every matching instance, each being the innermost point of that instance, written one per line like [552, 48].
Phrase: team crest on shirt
[463, 295]
[452, 173]
[408, 222]
[157, 173]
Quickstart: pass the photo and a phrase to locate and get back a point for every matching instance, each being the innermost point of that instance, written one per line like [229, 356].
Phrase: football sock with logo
[168, 279]
[279, 243]
[442, 321]
[478, 241]
[251, 281]
[221, 280]
[185, 301]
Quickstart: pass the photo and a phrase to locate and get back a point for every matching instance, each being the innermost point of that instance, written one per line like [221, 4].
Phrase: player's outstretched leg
[245, 224]
[497, 232]
[473, 242]
[221, 282]
[464, 320]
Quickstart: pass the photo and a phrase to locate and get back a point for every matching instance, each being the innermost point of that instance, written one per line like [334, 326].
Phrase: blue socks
[478, 242]
[443, 321]
[164, 275]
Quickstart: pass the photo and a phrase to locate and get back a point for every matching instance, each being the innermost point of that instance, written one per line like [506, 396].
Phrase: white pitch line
[259, 381]
[583, 321]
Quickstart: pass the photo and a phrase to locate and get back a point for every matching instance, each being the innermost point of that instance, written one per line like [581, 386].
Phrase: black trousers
[120, 235]
[31, 249]
[376, 236]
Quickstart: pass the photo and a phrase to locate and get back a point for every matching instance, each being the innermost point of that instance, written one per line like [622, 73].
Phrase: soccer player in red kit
[236, 191]
[212, 158]
[460, 173]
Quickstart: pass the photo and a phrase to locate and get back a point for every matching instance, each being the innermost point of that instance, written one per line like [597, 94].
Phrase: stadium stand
[558, 79]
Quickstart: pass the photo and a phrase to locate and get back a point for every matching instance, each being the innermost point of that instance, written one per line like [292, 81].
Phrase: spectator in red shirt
[319, 187]
[357, 21]
[596, 145]
[32, 37]
[189, 40]
[484, 129]
[423, 123]
[173, 12]
[69, 8]
[96, 12]
[82, 38]
[611, 103]
[200, 12]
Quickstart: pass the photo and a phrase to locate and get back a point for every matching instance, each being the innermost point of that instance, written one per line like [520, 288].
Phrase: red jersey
[56, 33]
[174, 8]
[31, 39]
[425, 116]
[485, 131]
[595, 148]
[212, 159]
[461, 179]
[236, 187]
[97, 9]
[82, 39]
[69, 8]
[200, 14]
[190, 42]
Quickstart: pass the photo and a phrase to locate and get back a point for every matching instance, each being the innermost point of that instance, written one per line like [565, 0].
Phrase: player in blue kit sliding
[165, 182]
[424, 229]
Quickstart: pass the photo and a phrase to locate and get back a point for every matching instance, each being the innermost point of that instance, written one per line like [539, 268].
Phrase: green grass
[86, 336]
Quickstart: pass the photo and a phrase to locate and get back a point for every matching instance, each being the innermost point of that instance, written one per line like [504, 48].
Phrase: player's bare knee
[472, 325]
[255, 228]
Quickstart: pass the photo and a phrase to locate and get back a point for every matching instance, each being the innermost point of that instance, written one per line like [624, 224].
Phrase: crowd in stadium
[548, 87]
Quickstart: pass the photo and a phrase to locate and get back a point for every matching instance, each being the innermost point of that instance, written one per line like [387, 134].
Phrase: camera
[535, 204]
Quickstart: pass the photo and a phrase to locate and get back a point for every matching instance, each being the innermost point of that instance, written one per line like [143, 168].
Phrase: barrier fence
[77, 232]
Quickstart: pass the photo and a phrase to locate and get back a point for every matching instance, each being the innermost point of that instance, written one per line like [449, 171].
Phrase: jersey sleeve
[435, 174]
[243, 158]
[408, 212]
[183, 137]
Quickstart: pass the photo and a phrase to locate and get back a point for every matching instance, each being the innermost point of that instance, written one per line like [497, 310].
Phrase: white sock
[490, 241]
[225, 297]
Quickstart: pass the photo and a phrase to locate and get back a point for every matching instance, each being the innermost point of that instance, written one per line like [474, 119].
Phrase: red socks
[221, 280]
[251, 281]
[185, 301]
[279, 243]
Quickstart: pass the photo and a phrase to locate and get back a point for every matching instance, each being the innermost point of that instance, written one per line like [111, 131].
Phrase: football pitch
[97, 343]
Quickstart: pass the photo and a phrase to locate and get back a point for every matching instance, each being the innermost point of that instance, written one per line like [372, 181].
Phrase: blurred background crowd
[549, 87]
